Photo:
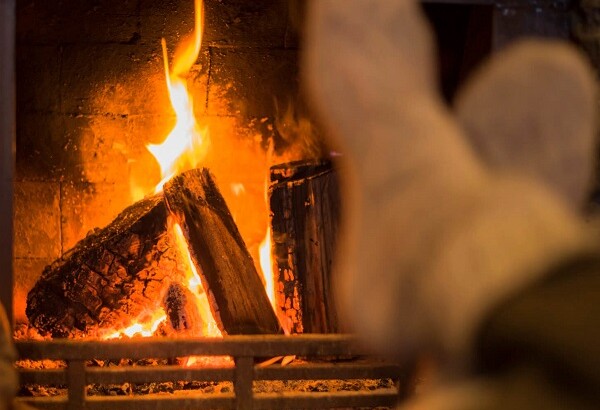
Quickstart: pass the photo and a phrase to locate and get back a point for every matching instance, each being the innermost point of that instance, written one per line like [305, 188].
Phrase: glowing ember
[186, 145]
[144, 326]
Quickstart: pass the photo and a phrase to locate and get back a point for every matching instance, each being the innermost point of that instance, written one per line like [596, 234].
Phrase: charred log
[238, 298]
[109, 277]
[305, 202]
[182, 313]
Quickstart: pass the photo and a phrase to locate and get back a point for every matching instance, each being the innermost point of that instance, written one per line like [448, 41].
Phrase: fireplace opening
[103, 92]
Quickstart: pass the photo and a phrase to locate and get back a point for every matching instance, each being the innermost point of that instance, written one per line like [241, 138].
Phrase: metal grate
[243, 349]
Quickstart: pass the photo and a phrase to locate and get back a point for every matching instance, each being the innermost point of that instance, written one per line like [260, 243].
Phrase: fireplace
[91, 95]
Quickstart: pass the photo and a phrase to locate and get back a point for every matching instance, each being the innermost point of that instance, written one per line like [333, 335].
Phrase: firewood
[305, 202]
[238, 298]
[110, 277]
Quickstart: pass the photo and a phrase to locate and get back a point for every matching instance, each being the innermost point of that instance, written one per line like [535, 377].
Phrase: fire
[187, 144]
[145, 326]
[238, 188]
[185, 147]
[266, 266]
[194, 283]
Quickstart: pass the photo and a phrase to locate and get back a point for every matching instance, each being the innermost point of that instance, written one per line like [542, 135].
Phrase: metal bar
[77, 384]
[7, 151]
[147, 402]
[157, 374]
[239, 346]
[78, 375]
[328, 371]
[326, 400]
[48, 403]
[244, 377]
[160, 402]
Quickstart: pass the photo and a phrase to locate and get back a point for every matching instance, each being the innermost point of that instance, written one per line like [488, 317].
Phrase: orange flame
[194, 283]
[266, 266]
[186, 145]
[145, 325]
[184, 148]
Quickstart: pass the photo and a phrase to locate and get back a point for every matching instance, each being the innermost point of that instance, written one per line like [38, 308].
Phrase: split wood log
[110, 277]
[235, 290]
[305, 208]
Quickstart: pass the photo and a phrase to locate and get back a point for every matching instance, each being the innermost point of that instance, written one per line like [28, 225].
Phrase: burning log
[305, 201]
[133, 266]
[109, 277]
[238, 298]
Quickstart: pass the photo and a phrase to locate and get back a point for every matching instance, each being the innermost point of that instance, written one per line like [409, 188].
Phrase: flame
[182, 149]
[266, 266]
[144, 326]
[187, 144]
[238, 188]
[148, 322]
[194, 283]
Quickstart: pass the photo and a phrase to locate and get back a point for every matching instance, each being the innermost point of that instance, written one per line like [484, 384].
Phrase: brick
[171, 19]
[250, 82]
[42, 148]
[86, 206]
[37, 220]
[38, 78]
[100, 151]
[27, 271]
[227, 22]
[54, 147]
[246, 23]
[113, 79]
[122, 80]
[77, 22]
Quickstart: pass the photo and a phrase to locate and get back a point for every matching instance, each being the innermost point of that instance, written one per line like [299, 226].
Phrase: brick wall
[91, 94]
